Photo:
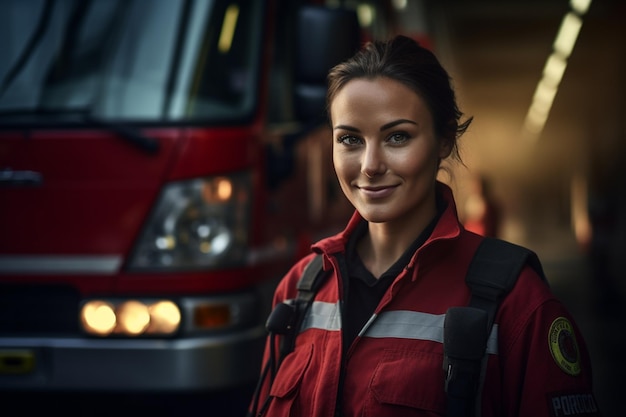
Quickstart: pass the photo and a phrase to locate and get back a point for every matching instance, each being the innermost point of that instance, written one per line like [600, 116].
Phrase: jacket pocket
[288, 380]
[409, 380]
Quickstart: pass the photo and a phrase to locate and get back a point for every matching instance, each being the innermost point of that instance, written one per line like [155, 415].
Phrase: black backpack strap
[494, 271]
[312, 278]
[492, 274]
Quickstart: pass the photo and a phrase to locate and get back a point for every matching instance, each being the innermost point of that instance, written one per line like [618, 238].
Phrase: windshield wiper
[123, 131]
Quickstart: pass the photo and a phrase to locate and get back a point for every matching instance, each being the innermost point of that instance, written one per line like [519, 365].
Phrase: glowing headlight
[202, 223]
[131, 317]
[98, 317]
[165, 317]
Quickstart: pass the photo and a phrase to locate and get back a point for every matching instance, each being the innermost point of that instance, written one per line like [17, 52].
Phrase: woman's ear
[447, 140]
[445, 148]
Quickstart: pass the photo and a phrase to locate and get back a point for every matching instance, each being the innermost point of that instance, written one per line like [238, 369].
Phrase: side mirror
[326, 37]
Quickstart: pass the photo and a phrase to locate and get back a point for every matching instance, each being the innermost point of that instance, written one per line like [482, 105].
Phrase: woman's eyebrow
[346, 127]
[396, 123]
[382, 128]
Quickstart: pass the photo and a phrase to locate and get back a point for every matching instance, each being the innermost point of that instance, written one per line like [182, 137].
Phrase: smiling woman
[375, 338]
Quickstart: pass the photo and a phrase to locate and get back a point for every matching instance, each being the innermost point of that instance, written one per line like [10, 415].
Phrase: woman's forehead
[364, 98]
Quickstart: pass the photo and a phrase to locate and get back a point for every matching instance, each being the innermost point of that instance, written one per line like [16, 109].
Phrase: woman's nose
[372, 163]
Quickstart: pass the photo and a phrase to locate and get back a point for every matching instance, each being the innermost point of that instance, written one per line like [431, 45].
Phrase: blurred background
[546, 149]
[543, 161]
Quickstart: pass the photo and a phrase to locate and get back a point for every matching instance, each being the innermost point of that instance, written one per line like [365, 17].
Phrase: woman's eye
[348, 140]
[398, 137]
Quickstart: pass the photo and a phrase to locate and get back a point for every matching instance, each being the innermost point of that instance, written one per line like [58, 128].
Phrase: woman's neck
[385, 243]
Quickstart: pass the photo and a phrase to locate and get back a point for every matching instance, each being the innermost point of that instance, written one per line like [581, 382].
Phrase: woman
[402, 260]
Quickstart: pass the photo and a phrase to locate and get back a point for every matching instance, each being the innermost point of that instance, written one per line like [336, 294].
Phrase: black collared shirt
[362, 291]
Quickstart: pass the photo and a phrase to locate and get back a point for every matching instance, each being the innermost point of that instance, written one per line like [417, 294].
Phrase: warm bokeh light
[165, 317]
[217, 190]
[579, 211]
[224, 188]
[130, 318]
[98, 317]
[133, 317]
[228, 28]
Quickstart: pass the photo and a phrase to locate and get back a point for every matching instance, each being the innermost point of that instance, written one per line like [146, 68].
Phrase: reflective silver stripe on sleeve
[418, 326]
[325, 316]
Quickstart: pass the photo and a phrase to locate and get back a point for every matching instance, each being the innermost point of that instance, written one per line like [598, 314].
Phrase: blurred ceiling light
[544, 96]
[566, 38]
[580, 6]
[399, 4]
[535, 120]
[540, 108]
[554, 69]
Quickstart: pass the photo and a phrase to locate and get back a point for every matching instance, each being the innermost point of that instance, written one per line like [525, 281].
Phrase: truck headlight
[197, 224]
[130, 317]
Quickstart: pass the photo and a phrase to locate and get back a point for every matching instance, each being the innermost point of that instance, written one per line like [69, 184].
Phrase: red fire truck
[161, 165]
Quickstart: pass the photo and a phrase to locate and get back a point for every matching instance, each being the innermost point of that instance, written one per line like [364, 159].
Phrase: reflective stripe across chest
[399, 324]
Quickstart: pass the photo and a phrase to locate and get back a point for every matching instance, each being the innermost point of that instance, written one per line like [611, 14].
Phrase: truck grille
[38, 310]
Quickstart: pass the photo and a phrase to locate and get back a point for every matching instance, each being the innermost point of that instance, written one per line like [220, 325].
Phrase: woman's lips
[377, 192]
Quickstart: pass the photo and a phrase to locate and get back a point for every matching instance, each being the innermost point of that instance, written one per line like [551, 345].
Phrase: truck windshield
[131, 60]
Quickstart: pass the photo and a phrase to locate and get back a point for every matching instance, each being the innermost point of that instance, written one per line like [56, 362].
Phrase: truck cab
[162, 164]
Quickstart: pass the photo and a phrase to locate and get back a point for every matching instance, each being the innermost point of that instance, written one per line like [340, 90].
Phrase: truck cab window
[120, 60]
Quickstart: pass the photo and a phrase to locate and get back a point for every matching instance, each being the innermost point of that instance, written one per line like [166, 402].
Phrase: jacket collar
[448, 227]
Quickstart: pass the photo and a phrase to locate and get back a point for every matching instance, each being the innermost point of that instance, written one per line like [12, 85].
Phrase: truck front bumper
[82, 364]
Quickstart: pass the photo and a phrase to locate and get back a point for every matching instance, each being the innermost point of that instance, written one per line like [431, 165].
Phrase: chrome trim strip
[49, 264]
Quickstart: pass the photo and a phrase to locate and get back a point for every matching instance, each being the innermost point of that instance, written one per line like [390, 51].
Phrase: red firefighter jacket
[538, 364]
